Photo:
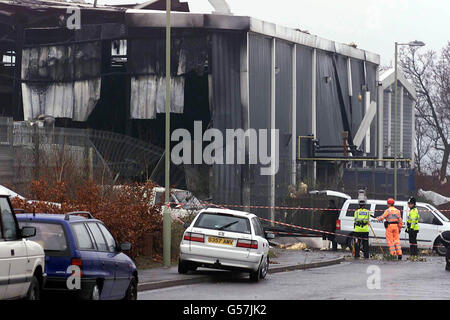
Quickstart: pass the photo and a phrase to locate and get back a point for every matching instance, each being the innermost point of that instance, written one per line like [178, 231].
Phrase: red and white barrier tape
[295, 208]
[312, 229]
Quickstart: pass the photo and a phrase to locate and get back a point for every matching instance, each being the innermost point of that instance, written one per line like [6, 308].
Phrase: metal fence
[30, 149]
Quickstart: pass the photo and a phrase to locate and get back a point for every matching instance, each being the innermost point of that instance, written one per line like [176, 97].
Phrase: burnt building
[229, 72]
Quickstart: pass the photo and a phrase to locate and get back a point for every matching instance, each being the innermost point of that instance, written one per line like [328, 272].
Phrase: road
[349, 280]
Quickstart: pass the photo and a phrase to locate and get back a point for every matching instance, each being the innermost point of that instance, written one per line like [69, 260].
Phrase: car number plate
[224, 241]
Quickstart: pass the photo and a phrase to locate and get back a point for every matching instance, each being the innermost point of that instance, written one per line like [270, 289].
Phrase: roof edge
[157, 19]
[387, 79]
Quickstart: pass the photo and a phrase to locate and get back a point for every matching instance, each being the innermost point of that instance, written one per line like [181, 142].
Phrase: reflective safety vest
[362, 217]
[393, 215]
[413, 219]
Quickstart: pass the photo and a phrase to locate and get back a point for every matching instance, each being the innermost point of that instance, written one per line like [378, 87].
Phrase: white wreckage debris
[436, 198]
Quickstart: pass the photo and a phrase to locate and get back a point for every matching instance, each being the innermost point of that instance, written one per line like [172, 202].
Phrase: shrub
[124, 209]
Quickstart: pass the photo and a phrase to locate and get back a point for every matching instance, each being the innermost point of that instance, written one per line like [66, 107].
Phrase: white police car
[432, 223]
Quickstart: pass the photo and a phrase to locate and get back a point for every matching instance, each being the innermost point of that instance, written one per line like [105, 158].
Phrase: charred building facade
[228, 72]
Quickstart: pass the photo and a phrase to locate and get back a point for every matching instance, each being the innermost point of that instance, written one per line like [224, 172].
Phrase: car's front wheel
[131, 293]
[440, 248]
[33, 291]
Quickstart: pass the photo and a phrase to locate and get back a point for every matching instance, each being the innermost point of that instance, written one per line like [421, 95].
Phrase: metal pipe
[395, 119]
[166, 215]
[314, 106]
[273, 145]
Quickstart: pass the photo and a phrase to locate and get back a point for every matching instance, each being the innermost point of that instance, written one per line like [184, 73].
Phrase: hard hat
[391, 202]
[412, 200]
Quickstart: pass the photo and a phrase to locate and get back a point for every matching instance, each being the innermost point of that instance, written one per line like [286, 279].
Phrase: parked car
[432, 223]
[182, 202]
[22, 262]
[12, 194]
[225, 239]
[74, 240]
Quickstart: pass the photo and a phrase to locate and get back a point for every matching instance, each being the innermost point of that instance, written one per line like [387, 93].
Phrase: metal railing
[28, 147]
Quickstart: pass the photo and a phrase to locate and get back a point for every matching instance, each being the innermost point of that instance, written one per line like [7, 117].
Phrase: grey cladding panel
[386, 97]
[304, 91]
[372, 87]
[329, 120]
[260, 62]
[227, 110]
[283, 116]
[357, 105]
[407, 125]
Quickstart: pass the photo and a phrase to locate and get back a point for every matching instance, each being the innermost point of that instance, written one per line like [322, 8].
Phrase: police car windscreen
[224, 222]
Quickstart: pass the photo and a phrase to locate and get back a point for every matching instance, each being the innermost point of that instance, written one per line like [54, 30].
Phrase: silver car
[225, 239]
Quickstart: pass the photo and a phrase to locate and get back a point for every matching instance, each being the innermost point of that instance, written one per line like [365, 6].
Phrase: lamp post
[166, 209]
[411, 44]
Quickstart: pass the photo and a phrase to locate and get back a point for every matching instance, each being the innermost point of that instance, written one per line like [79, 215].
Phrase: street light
[414, 43]
[166, 209]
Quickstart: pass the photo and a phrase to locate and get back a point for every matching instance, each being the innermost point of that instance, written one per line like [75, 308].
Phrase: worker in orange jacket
[393, 225]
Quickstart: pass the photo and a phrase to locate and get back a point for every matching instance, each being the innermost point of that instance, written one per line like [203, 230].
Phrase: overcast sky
[374, 25]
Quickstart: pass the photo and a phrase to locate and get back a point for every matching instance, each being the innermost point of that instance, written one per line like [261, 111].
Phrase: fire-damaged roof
[176, 5]
[155, 19]
[33, 14]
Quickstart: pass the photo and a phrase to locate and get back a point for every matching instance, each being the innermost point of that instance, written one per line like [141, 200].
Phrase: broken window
[118, 53]
[61, 81]
[147, 63]
[9, 59]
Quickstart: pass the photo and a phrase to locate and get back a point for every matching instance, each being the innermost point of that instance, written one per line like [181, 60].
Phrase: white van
[22, 262]
[432, 223]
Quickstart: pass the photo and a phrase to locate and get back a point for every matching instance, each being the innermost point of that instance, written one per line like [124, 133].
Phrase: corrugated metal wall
[283, 116]
[408, 105]
[357, 101]
[304, 90]
[371, 80]
[342, 73]
[227, 180]
[329, 118]
[407, 125]
[395, 123]
[260, 66]
[386, 108]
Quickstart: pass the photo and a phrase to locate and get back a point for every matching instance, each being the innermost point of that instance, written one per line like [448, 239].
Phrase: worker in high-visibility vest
[393, 225]
[361, 229]
[413, 226]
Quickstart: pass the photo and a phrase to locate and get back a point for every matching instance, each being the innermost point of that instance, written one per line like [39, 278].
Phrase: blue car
[73, 243]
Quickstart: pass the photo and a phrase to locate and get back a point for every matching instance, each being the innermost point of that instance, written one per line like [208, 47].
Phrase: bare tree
[430, 74]
[423, 146]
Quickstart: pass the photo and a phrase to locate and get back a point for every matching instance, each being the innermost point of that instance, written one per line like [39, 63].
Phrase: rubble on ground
[417, 258]
[295, 246]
